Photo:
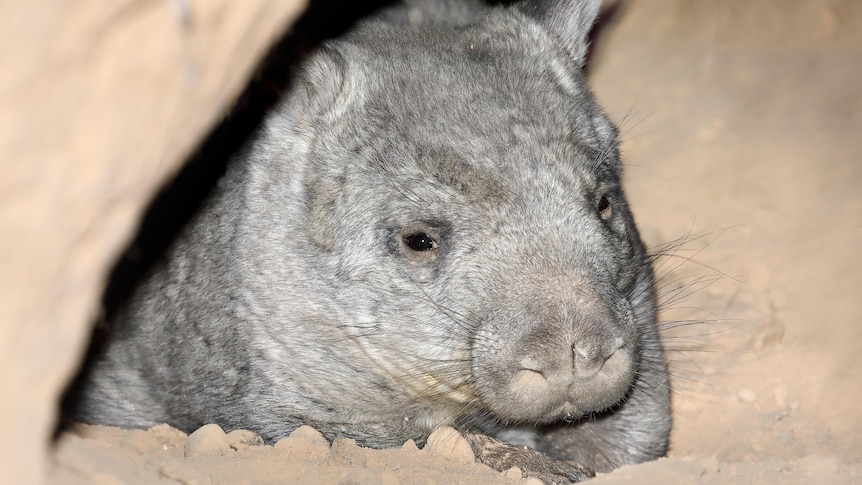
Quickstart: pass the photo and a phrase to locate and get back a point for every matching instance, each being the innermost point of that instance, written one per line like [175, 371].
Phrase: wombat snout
[578, 362]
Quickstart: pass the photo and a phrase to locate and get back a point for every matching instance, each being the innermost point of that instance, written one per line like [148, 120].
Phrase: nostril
[530, 363]
[583, 352]
[594, 351]
[529, 379]
[550, 373]
[591, 356]
[589, 352]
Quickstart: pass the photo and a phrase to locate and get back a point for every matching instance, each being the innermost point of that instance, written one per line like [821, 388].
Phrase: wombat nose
[550, 374]
[582, 362]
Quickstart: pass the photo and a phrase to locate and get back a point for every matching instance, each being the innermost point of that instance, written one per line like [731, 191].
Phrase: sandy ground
[741, 126]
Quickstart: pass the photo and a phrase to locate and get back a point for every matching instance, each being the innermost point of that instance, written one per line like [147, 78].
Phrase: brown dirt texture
[741, 125]
[99, 103]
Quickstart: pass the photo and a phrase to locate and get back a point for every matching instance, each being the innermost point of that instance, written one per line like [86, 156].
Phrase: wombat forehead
[475, 131]
[478, 112]
[475, 182]
[480, 70]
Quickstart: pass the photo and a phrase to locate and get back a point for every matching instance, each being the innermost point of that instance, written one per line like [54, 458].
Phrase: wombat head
[445, 205]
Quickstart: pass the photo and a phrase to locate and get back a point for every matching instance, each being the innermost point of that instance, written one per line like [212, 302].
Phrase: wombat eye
[421, 241]
[604, 207]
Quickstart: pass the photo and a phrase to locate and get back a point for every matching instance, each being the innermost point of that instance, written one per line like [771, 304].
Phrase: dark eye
[604, 207]
[420, 241]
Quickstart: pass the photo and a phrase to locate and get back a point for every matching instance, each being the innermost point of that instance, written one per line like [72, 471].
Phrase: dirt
[99, 104]
[741, 127]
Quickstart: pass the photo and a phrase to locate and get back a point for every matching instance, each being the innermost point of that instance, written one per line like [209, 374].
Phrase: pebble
[241, 439]
[513, 473]
[168, 436]
[346, 452]
[447, 442]
[309, 434]
[305, 442]
[208, 440]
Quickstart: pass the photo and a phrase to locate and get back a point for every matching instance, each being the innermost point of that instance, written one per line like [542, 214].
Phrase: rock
[208, 440]
[447, 442]
[240, 439]
[304, 443]
[310, 434]
[346, 452]
[513, 473]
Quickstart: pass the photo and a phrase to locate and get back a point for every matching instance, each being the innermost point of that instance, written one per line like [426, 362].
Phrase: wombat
[429, 229]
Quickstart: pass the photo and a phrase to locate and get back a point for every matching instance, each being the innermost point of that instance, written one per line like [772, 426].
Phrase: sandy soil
[741, 125]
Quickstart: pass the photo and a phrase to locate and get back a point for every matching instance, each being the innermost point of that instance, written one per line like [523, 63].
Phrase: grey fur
[294, 297]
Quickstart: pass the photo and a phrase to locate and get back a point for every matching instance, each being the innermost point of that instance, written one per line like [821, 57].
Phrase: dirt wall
[99, 103]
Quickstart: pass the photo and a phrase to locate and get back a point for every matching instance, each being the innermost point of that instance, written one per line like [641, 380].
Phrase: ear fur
[322, 85]
[569, 20]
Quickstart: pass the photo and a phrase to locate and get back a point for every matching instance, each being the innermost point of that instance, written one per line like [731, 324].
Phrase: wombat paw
[501, 456]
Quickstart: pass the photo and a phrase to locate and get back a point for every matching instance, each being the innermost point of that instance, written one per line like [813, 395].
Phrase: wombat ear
[321, 85]
[569, 20]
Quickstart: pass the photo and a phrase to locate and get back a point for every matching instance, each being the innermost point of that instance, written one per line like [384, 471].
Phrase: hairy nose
[584, 363]
[561, 364]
